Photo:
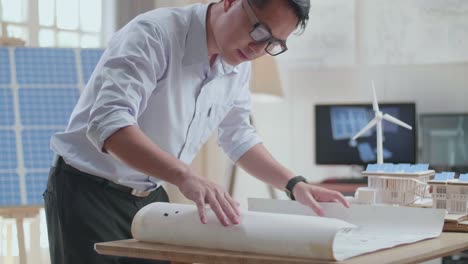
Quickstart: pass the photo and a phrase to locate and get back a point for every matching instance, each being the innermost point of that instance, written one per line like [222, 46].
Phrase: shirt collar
[196, 46]
[223, 67]
[228, 68]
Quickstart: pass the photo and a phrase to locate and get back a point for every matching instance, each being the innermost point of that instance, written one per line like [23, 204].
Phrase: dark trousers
[82, 209]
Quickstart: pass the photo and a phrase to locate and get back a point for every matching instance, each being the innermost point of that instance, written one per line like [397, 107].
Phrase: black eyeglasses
[261, 33]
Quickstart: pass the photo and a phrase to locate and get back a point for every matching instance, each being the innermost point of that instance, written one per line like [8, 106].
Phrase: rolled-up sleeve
[125, 79]
[235, 133]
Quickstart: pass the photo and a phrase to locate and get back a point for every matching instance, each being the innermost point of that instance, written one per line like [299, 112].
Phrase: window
[53, 23]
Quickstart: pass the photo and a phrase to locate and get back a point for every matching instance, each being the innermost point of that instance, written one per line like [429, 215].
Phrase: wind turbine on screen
[377, 121]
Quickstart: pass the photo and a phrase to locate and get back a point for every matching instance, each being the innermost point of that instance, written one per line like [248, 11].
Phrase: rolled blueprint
[258, 232]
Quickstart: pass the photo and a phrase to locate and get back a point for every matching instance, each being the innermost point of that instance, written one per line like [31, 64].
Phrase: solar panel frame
[89, 59]
[11, 193]
[39, 88]
[463, 177]
[5, 74]
[46, 66]
[47, 106]
[36, 185]
[8, 153]
[7, 114]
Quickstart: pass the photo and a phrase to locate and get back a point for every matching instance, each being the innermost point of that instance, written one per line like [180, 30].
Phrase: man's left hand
[310, 195]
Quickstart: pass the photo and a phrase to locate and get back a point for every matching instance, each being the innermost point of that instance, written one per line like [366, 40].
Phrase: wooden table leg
[9, 257]
[21, 244]
[35, 238]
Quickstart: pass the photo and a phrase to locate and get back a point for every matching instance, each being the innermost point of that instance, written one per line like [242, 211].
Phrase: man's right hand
[147, 157]
[203, 191]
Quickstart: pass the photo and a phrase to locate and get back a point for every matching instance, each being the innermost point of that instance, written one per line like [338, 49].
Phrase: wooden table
[444, 245]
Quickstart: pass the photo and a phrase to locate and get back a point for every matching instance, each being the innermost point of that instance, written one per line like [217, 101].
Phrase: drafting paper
[378, 226]
[258, 232]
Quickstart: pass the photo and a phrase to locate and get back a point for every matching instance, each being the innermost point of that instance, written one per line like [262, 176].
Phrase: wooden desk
[444, 245]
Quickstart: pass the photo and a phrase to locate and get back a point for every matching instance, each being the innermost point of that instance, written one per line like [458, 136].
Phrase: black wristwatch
[291, 183]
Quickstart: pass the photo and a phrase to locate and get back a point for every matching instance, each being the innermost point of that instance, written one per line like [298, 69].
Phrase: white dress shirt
[156, 74]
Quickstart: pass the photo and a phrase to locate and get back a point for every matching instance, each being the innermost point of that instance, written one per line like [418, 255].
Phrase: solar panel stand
[7, 41]
[19, 214]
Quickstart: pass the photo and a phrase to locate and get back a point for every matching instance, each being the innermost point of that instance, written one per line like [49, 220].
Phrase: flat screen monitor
[444, 139]
[336, 124]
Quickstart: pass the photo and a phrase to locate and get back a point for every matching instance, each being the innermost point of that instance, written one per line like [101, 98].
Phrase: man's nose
[258, 48]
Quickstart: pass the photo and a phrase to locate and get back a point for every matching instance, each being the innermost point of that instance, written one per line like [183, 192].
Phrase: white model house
[401, 184]
[457, 195]
[439, 189]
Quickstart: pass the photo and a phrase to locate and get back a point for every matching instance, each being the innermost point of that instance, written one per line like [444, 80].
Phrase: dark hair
[300, 7]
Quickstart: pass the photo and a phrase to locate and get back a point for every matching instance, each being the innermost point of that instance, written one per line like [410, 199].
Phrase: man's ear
[228, 4]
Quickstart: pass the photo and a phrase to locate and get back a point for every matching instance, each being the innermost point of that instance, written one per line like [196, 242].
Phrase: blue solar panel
[365, 152]
[10, 193]
[440, 177]
[348, 121]
[37, 183]
[418, 167]
[444, 176]
[386, 167]
[422, 166]
[463, 177]
[48, 89]
[8, 160]
[89, 60]
[403, 167]
[386, 153]
[7, 117]
[47, 106]
[5, 75]
[449, 175]
[37, 153]
[372, 167]
[45, 66]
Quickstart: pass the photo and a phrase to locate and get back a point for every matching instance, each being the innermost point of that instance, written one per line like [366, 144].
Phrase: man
[166, 81]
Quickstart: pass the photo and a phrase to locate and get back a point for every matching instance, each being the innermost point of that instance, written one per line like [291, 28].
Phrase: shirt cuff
[99, 130]
[236, 153]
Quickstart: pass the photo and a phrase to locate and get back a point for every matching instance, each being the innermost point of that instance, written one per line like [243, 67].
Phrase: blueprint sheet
[377, 226]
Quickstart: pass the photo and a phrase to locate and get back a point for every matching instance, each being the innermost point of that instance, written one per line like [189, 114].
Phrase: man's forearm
[258, 162]
[133, 147]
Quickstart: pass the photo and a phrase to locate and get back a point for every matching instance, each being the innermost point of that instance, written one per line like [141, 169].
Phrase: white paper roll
[266, 233]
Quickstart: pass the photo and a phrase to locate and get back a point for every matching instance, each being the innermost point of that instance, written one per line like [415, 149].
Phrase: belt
[59, 162]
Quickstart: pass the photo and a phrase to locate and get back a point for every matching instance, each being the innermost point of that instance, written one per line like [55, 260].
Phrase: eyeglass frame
[256, 24]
